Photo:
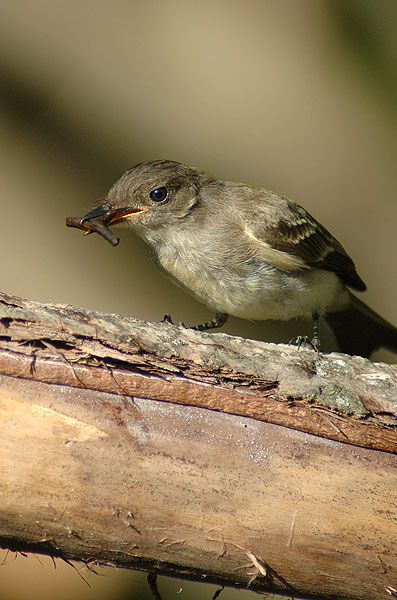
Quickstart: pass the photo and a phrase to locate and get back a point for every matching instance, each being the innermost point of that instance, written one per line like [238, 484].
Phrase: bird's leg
[315, 342]
[303, 340]
[218, 320]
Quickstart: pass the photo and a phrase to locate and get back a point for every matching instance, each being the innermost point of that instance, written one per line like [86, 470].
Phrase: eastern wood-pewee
[242, 250]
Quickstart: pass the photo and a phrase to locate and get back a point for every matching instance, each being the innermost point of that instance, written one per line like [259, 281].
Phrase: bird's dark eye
[159, 194]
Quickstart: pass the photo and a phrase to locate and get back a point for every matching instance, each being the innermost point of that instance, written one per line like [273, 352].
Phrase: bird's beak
[99, 219]
[110, 216]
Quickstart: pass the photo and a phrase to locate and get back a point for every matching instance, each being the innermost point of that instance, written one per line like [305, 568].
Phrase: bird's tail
[360, 331]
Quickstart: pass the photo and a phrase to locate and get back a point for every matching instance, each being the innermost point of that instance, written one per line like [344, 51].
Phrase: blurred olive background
[296, 96]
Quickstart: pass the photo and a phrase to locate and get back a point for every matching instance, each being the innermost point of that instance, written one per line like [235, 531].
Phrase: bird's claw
[303, 340]
[167, 319]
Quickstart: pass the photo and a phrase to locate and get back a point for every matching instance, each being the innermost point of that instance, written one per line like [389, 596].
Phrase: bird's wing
[295, 232]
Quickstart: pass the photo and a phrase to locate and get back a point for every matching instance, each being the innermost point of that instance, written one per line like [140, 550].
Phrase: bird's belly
[281, 297]
[264, 293]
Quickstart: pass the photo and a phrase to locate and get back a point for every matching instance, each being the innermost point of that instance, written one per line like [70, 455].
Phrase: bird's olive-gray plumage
[240, 249]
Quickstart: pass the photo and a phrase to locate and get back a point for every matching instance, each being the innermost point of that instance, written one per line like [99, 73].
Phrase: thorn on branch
[152, 581]
[218, 593]
[75, 568]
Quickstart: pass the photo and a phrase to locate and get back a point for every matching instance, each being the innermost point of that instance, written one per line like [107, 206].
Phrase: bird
[242, 250]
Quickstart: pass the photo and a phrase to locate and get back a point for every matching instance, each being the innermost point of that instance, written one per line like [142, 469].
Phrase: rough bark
[197, 455]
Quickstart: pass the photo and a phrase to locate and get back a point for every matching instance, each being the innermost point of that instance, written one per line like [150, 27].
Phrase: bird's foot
[217, 321]
[167, 319]
[304, 340]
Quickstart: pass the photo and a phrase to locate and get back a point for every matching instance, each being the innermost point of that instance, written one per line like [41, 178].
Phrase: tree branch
[159, 448]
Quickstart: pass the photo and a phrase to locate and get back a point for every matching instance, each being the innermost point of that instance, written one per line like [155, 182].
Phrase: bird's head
[150, 197]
